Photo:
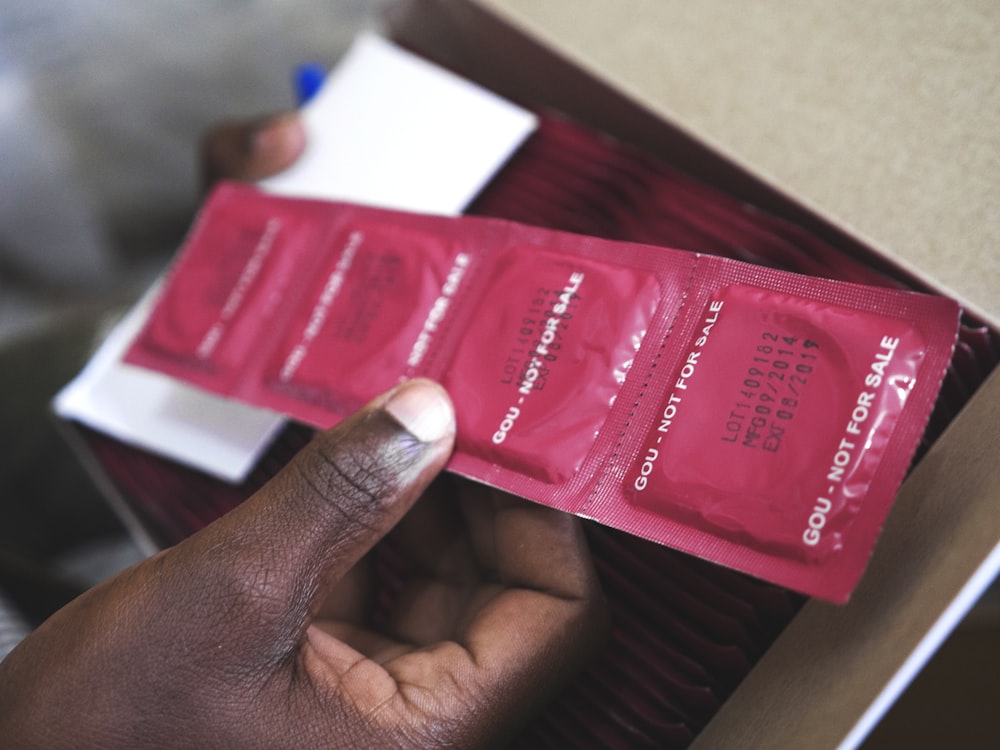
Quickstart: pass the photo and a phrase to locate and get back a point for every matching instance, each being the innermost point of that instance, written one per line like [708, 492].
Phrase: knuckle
[356, 478]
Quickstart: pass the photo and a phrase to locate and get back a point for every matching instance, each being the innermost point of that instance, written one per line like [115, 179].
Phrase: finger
[288, 545]
[433, 539]
[250, 151]
[443, 572]
[519, 544]
[538, 548]
[551, 605]
[462, 555]
[525, 636]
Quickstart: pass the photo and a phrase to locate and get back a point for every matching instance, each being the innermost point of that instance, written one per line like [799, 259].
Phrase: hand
[251, 150]
[256, 632]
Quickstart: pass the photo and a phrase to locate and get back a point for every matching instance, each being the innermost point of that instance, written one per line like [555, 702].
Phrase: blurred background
[102, 103]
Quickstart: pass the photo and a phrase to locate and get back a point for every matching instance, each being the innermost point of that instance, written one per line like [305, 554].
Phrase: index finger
[251, 150]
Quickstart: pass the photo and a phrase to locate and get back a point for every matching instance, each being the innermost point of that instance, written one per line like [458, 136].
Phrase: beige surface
[832, 662]
[885, 117]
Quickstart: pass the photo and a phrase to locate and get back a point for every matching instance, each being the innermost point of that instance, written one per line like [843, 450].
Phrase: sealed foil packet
[757, 418]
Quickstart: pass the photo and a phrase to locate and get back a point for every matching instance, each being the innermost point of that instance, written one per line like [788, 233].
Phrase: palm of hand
[490, 583]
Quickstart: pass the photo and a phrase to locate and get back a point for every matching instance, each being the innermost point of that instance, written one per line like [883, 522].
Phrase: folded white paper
[392, 130]
[388, 129]
[152, 411]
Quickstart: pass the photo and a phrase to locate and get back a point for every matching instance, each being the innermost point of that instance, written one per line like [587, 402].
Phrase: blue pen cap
[308, 78]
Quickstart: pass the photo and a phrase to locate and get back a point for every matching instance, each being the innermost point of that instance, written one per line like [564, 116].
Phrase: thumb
[196, 631]
[313, 521]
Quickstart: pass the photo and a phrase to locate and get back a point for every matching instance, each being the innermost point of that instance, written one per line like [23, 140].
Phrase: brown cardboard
[880, 123]
[882, 117]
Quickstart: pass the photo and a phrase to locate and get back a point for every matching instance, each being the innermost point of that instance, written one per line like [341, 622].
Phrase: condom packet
[759, 419]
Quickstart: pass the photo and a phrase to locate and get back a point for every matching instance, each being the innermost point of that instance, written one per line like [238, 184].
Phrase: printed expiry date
[770, 391]
[539, 337]
[539, 342]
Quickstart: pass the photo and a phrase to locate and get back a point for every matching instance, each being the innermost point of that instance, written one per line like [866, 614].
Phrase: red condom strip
[753, 417]
[596, 185]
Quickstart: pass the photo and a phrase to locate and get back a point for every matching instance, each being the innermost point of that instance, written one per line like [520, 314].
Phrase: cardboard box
[876, 125]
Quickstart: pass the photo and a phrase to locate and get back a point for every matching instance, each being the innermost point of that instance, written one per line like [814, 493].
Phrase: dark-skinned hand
[257, 632]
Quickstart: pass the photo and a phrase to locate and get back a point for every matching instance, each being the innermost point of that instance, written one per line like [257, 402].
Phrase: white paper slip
[387, 128]
[393, 130]
[149, 410]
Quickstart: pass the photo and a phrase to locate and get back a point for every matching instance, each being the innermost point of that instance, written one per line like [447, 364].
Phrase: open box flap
[884, 119]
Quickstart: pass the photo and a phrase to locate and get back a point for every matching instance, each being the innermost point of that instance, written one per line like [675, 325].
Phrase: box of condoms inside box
[874, 131]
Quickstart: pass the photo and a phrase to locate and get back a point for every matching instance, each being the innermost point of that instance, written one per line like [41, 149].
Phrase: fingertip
[280, 139]
[424, 409]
